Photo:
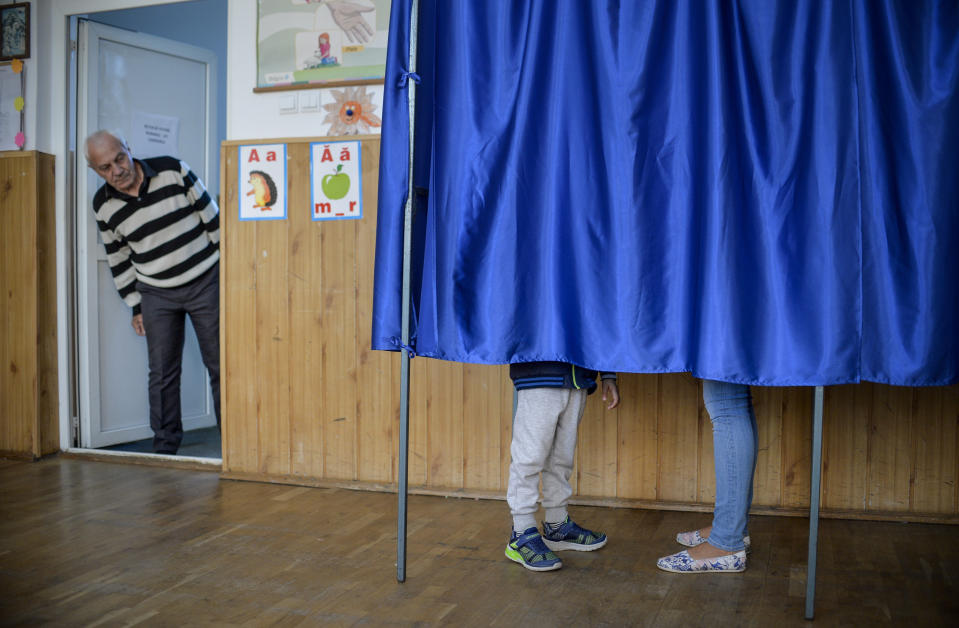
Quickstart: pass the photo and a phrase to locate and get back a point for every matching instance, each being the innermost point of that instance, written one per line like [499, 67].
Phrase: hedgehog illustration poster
[262, 182]
[336, 187]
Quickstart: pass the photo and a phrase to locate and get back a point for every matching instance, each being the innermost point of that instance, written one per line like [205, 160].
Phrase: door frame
[89, 35]
[57, 129]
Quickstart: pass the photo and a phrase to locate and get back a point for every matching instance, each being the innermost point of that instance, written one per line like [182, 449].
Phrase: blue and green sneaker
[528, 550]
[569, 536]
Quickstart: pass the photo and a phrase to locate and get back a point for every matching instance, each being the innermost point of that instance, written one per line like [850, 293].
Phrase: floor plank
[96, 543]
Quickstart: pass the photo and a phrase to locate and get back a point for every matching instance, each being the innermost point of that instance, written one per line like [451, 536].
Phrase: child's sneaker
[528, 550]
[569, 536]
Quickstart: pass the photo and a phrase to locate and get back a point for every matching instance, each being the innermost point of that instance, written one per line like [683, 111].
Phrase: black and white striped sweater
[166, 236]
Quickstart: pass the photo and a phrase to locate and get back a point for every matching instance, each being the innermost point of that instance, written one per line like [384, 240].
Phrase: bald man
[161, 232]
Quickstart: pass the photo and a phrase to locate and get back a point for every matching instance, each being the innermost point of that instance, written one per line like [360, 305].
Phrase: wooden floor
[87, 543]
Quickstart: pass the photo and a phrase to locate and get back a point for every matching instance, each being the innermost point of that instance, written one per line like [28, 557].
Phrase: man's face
[112, 161]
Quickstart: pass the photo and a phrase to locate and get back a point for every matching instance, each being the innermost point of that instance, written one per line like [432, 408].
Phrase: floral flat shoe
[682, 562]
[694, 538]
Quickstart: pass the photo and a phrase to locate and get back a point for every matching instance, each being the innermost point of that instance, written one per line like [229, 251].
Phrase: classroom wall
[306, 401]
[256, 115]
[48, 100]
[32, 67]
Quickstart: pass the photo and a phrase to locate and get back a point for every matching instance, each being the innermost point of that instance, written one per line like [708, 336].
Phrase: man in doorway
[161, 232]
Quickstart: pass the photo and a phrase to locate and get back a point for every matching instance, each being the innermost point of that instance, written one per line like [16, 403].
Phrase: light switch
[310, 101]
[288, 103]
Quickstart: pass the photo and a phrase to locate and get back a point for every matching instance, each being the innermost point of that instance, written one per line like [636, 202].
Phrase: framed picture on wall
[312, 43]
[15, 31]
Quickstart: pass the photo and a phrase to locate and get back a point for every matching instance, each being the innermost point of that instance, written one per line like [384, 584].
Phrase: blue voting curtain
[751, 191]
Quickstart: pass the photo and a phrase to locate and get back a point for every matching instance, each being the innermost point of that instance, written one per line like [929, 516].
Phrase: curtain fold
[753, 191]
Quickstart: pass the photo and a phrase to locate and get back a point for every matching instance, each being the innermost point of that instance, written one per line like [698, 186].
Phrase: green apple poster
[336, 187]
[262, 180]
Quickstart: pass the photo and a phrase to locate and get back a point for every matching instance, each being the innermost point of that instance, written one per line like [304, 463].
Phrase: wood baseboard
[17, 455]
[149, 460]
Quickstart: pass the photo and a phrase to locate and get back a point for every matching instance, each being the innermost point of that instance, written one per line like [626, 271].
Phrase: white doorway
[126, 80]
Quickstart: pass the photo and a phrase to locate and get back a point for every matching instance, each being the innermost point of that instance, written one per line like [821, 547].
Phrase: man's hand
[137, 323]
[348, 15]
[610, 393]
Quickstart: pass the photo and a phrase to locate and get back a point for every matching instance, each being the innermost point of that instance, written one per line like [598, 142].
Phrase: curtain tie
[399, 345]
[405, 78]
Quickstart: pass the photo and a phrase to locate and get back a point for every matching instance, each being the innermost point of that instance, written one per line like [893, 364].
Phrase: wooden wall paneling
[221, 197]
[25, 306]
[680, 395]
[891, 448]
[846, 421]
[377, 384]
[394, 414]
[596, 451]
[951, 415]
[29, 408]
[338, 389]
[419, 427]
[505, 425]
[767, 483]
[706, 465]
[272, 335]
[934, 461]
[306, 285]
[638, 436]
[238, 373]
[445, 437]
[796, 445]
[48, 423]
[483, 389]
[226, 188]
[18, 282]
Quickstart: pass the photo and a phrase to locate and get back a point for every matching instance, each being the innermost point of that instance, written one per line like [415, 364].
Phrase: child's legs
[559, 464]
[734, 449]
[534, 426]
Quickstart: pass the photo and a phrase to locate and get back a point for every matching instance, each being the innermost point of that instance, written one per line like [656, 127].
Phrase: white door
[160, 95]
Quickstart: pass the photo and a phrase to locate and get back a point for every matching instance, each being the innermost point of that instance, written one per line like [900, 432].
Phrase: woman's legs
[735, 445]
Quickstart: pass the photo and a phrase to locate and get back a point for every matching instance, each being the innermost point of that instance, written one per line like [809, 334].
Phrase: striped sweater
[166, 236]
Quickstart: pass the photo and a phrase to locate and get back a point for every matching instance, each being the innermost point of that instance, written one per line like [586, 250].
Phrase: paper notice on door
[11, 88]
[153, 135]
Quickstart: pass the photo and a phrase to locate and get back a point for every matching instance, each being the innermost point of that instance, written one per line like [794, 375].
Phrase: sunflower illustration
[351, 112]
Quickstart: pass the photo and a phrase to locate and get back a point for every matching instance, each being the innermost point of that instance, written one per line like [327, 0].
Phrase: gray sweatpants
[544, 441]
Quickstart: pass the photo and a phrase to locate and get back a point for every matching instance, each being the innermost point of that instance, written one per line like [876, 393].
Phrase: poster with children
[262, 182]
[321, 41]
[335, 180]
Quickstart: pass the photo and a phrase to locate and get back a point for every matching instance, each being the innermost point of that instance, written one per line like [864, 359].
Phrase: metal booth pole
[814, 484]
[403, 463]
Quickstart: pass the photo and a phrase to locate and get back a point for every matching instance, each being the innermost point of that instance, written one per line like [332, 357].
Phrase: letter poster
[262, 182]
[336, 184]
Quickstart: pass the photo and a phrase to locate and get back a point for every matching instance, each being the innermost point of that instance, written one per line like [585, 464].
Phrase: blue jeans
[735, 445]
